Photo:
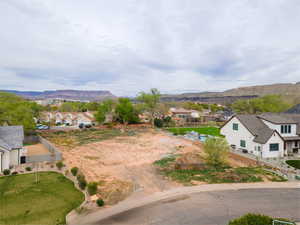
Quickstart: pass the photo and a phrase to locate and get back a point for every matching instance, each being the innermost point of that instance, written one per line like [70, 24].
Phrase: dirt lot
[122, 162]
[36, 149]
[128, 159]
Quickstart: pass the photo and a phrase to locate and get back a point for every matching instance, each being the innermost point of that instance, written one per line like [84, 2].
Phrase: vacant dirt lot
[128, 158]
[122, 161]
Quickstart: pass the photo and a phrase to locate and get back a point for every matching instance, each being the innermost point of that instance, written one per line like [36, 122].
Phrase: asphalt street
[212, 208]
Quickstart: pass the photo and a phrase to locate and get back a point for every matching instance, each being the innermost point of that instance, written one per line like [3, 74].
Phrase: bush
[14, 173]
[216, 150]
[100, 202]
[294, 163]
[6, 172]
[253, 219]
[81, 181]
[74, 171]
[59, 165]
[28, 168]
[158, 123]
[92, 188]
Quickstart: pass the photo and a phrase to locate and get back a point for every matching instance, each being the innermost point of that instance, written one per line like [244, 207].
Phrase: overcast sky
[127, 46]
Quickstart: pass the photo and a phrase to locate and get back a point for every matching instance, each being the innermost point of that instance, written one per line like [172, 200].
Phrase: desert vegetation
[212, 165]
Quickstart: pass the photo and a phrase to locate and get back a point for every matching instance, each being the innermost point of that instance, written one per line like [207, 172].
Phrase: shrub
[14, 173]
[253, 219]
[28, 168]
[158, 123]
[294, 163]
[92, 188]
[100, 202]
[74, 171]
[59, 165]
[81, 181]
[6, 172]
[216, 150]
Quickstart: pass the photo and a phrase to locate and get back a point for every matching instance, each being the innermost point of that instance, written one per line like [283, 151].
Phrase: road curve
[202, 205]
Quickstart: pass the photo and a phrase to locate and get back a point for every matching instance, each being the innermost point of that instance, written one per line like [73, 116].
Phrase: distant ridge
[291, 90]
[64, 94]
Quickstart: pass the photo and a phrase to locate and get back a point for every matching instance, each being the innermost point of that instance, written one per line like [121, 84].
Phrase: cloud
[134, 45]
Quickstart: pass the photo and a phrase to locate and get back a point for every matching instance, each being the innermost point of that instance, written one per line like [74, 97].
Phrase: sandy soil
[37, 149]
[128, 159]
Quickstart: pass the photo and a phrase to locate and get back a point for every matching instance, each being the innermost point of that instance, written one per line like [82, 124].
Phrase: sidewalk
[136, 203]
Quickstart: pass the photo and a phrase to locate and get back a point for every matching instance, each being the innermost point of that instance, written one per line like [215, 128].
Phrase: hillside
[64, 94]
[287, 89]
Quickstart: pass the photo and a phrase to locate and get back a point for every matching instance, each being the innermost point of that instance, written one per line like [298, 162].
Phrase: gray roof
[11, 137]
[256, 127]
[278, 118]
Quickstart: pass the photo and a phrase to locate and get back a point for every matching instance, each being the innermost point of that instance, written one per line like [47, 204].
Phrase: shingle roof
[260, 130]
[277, 118]
[295, 109]
[11, 137]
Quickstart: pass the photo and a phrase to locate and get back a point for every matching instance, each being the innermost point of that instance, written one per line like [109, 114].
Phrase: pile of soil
[189, 161]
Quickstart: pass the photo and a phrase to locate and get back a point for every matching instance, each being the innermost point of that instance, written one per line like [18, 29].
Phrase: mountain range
[288, 90]
[65, 94]
[291, 90]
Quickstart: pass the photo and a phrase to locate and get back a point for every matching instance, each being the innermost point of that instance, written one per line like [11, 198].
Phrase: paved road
[212, 208]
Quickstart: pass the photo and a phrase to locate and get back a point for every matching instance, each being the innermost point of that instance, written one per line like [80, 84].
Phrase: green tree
[150, 101]
[216, 150]
[268, 103]
[125, 111]
[15, 110]
[104, 108]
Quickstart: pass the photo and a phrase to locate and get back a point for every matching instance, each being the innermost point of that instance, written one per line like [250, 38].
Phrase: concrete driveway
[212, 208]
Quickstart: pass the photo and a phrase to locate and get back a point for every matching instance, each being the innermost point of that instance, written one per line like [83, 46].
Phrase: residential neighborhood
[68, 118]
[149, 112]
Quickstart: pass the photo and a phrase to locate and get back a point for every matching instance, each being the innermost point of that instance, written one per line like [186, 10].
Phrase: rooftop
[11, 137]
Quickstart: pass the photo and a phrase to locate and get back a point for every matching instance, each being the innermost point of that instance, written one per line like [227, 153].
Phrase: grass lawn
[214, 131]
[82, 137]
[47, 202]
[294, 163]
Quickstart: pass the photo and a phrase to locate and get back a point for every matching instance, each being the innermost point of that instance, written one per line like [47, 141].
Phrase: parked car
[42, 127]
[82, 125]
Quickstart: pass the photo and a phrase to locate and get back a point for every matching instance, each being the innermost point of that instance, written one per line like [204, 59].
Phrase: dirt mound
[189, 161]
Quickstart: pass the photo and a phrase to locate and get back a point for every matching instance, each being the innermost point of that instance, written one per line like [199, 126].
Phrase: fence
[53, 155]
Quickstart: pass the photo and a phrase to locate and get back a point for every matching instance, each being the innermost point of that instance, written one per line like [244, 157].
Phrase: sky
[128, 46]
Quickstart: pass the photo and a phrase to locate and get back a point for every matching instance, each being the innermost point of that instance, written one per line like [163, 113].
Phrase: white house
[69, 118]
[266, 135]
[11, 146]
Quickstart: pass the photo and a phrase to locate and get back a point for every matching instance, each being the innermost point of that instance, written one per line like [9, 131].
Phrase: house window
[243, 144]
[235, 126]
[274, 147]
[296, 144]
[286, 129]
[258, 148]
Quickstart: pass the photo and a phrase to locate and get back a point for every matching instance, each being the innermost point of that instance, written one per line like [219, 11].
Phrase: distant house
[266, 135]
[68, 118]
[11, 146]
[184, 117]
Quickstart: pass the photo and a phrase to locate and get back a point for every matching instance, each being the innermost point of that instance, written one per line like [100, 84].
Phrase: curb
[127, 205]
